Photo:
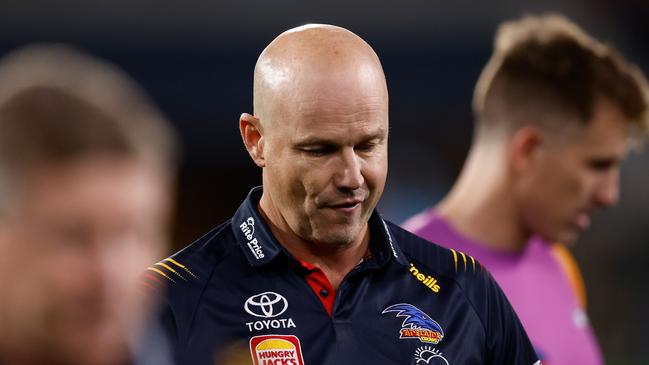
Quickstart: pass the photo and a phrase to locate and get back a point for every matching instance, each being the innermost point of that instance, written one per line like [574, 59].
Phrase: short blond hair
[547, 65]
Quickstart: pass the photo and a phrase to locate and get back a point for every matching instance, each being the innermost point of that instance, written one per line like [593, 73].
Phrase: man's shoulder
[432, 257]
[458, 275]
[191, 267]
[470, 288]
[184, 276]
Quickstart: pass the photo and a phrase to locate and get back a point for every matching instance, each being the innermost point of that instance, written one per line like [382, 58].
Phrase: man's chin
[341, 235]
[103, 345]
[569, 241]
[566, 237]
[106, 353]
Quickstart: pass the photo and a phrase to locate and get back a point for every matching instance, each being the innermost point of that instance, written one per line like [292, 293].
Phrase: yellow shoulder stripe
[571, 270]
[464, 259]
[170, 269]
[161, 273]
[454, 258]
[180, 266]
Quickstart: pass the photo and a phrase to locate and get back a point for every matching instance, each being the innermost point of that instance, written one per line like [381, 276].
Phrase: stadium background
[196, 59]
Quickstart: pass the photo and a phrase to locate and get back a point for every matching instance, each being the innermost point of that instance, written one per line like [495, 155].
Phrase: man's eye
[317, 151]
[69, 235]
[601, 165]
[365, 147]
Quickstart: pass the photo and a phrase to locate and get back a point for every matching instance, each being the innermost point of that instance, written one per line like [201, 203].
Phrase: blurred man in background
[86, 171]
[555, 110]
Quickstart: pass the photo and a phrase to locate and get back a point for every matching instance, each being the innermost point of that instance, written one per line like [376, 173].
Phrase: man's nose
[608, 191]
[349, 175]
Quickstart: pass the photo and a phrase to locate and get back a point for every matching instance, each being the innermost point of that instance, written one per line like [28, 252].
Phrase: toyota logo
[266, 305]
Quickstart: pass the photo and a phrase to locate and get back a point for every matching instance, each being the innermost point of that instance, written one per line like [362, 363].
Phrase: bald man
[307, 272]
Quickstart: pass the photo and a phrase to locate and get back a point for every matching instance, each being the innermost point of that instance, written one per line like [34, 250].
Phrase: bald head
[320, 133]
[313, 59]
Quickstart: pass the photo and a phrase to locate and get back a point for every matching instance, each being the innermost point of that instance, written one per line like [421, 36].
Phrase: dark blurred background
[196, 59]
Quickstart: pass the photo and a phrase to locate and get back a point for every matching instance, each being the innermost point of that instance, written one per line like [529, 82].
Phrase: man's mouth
[345, 206]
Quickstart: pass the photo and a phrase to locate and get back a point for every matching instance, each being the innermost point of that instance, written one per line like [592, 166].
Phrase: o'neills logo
[248, 229]
[427, 280]
[276, 350]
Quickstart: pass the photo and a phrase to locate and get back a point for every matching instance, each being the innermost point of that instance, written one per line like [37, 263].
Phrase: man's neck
[334, 261]
[481, 205]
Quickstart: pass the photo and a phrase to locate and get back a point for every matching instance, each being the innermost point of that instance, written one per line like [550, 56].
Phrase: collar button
[324, 293]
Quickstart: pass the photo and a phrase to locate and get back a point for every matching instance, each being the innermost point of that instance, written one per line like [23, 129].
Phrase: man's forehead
[323, 130]
[330, 104]
[338, 130]
[591, 142]
[342, 81]
[355, 102]
[608, 128]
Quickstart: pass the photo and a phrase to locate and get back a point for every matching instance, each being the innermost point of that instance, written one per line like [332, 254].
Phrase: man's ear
[524, 147]
[253, 139]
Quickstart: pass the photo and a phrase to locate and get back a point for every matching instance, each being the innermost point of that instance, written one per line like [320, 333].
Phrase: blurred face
[74, 243]
[326, 159]
[569, 180]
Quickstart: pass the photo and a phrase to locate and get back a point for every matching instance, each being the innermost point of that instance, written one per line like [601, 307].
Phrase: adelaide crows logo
[417, 325]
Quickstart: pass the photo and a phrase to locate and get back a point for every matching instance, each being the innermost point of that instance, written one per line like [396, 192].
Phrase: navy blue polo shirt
[237, 296]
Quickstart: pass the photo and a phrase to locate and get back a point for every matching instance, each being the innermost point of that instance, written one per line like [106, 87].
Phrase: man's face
[326, 159]
[571, 179]
[74, 244]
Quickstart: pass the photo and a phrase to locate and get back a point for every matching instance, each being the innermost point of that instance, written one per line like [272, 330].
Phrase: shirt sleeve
[507, 341]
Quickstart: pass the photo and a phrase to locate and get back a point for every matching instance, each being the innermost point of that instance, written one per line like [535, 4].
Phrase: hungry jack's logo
[417, 325]
[276, 350]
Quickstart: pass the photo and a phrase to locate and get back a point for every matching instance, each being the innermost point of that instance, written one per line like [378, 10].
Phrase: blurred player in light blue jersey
[554, 111]
[86, 170]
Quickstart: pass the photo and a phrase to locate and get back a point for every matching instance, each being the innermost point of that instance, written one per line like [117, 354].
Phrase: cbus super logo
[248, 229]
[429, 356]
[276, 350]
